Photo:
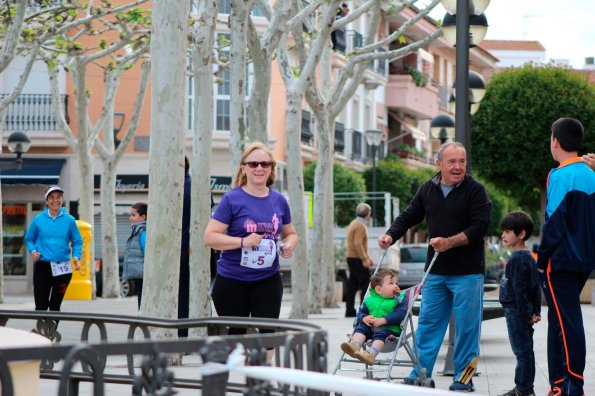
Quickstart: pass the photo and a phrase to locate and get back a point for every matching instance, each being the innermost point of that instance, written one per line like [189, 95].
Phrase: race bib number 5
[60, 268]
[261, 256]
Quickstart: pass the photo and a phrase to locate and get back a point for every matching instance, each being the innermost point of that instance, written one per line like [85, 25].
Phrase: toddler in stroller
[379, 317]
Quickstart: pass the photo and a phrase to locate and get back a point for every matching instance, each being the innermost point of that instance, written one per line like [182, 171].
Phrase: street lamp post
[467, 13]
[442, 127]
[19, 143]
[374, 137]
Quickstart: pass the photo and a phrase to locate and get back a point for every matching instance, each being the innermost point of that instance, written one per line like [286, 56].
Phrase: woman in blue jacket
[52, 239]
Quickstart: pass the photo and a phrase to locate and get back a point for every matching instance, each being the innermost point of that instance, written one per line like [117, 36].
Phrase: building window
[306, 127]
[222, 90]
[14, 219]
[354, 40]
[339, 138]
[141, 143]
[224, 6]
[222, 115]
[356, 146]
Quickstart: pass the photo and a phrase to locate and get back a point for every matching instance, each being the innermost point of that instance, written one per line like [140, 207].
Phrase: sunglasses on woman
[254, 164]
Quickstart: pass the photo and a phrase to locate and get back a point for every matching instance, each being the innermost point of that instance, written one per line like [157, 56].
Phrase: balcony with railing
[32, 112]
[339, 41]
[354, 40]
[412, 91]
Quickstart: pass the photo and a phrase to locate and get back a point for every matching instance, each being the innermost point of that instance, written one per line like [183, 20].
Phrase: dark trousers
[258, 299]
[520, 334]
[566, 346]
[184, 290]
[48, 290]
[359, 279]
[138, 287]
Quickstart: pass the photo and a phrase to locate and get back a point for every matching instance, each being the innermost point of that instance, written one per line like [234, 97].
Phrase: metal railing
[339, 40]
[297, 345]
[32, 112]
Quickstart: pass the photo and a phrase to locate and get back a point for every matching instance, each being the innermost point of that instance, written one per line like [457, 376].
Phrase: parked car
[413, 260]
[126, 286]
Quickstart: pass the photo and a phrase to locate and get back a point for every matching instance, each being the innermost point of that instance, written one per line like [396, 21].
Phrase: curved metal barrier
[297, 345]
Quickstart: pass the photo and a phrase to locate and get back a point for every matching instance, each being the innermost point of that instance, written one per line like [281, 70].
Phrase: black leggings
[48, 290]
[260, 299]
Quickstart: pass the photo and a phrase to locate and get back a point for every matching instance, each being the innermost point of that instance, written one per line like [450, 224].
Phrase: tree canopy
[511, 131]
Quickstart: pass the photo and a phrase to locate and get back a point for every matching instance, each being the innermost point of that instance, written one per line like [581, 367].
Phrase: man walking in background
[358, 261]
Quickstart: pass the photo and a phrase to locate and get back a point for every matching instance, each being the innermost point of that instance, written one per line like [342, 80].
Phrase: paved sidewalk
[496, 366]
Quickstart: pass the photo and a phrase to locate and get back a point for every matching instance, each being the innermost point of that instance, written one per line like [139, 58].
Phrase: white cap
[51, 189]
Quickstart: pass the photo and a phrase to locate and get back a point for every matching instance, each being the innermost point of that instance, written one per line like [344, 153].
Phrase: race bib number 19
[261, 256]
[61, 268]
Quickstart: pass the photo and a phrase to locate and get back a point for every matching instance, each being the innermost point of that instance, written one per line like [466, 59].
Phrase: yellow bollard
[80, 287]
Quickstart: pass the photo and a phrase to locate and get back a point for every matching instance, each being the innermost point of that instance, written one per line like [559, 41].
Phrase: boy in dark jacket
[521, 298]
[379, 316]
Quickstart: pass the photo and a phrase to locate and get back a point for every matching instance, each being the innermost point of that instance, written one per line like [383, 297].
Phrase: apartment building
[398, 97]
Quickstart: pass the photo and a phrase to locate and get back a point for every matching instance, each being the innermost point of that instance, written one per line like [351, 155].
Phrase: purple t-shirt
[246, 214]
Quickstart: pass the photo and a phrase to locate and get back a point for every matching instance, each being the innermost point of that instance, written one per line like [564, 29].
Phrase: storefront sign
[126, 183]
[12, 210]
[220, 184]
[140, 183]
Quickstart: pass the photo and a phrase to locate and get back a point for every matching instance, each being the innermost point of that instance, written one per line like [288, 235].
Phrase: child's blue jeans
[380, 333]
[520, 334]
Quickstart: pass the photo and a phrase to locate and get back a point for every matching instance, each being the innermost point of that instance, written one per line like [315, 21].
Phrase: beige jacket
[357, 240]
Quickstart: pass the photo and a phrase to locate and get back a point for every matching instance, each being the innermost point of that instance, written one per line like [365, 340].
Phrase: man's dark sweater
[465, 209]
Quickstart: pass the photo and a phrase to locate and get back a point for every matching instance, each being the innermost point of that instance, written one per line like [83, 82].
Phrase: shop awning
[34, 171]
[407, 128]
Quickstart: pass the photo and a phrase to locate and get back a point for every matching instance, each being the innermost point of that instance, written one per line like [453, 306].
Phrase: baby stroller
[397, 351]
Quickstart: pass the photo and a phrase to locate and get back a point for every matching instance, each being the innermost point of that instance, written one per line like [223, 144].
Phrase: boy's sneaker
[365, 356]
[460, 387]
[350, 348]
[410, 381]
[555, 391]
[516, 392]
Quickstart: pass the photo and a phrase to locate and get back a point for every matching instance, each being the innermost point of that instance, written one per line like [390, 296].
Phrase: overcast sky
[565, 28]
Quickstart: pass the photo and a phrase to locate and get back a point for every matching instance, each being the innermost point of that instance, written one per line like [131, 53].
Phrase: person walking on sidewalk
[520, 297]
[52, 239]
[566, 256]
[134, 258]
[358, 261]
[457, 210]
[184, 279]
[252, 227]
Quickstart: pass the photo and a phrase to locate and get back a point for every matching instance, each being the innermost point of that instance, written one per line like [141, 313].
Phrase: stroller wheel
[428, 383]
